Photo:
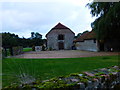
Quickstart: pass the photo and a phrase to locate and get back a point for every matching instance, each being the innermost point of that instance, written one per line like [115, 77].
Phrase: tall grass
[43, 69]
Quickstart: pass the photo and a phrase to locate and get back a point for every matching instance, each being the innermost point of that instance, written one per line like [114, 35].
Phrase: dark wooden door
[61, 45]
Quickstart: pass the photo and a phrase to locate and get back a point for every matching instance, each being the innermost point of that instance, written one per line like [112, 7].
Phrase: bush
[33, 48]
[17, 50]
[43, 48]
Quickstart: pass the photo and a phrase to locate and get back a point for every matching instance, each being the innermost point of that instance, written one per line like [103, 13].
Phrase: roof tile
[60, 26]
[87, 35]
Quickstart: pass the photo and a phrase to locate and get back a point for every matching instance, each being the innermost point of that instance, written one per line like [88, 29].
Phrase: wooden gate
[61, 45]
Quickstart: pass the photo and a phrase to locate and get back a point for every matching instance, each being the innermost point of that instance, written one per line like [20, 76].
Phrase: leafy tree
[100, 8]
[79, 34]
[32, 34]
[9, 39]
[37, 35]
[107, 25]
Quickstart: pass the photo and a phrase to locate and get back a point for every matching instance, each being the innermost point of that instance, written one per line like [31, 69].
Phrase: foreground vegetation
[98, 78]
[43, 69]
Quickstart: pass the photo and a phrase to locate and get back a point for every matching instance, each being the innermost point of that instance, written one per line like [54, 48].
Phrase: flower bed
[100, 78]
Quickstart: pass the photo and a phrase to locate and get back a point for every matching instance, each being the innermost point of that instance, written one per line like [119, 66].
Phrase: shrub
[17, 50]
[50, 49]
[33, 48]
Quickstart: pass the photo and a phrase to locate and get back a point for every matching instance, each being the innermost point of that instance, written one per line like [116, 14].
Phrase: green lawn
[27, 49]
[48, 68]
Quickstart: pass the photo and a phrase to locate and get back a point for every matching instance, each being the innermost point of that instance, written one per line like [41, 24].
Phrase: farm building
[87, 42]
[60, 37]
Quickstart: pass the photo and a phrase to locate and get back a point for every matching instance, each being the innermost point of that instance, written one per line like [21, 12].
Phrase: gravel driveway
[63, 54]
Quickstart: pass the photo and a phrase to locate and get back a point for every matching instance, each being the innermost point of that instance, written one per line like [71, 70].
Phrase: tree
[100, 8]
[9, 39]
[32, 34]
[37, 35]
[79, 34]
[107, 25]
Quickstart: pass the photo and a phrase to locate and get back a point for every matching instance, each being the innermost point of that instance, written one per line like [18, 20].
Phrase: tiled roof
[59, 26]
[87, 35]
[91, 35]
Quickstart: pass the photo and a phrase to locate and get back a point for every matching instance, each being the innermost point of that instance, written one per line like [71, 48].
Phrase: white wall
[52, 39]
[87, 45]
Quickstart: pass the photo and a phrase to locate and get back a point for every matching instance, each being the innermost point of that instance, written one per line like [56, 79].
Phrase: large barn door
[61, 45]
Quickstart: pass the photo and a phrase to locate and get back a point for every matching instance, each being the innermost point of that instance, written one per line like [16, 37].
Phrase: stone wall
[105, 78]
[87, 45]
[52, 39]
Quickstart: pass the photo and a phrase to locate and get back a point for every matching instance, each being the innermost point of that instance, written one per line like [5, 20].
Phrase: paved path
[63, 54]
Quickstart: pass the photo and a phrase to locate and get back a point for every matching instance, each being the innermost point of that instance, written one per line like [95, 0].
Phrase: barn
[60, 37]
[87, 42]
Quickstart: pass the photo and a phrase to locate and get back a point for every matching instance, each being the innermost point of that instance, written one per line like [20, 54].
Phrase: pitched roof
[59, 26]
[87, 35]
[91, 35]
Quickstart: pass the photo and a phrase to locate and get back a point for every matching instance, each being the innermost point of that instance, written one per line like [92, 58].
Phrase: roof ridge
[60, 26]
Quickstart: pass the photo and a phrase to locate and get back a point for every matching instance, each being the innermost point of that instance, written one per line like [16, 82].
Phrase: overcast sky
[22, 18]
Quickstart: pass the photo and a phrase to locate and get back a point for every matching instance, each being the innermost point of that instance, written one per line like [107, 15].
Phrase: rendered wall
[52, 39]
[87, 45]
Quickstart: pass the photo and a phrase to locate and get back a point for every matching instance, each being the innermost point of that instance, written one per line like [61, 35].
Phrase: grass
[8, 52]
[48, 68]
[27, 49]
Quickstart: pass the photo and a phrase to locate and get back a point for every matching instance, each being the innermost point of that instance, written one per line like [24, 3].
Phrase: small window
[60, 37]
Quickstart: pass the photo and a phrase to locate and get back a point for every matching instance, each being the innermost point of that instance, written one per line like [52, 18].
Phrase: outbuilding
[60, 37]
[87, 42]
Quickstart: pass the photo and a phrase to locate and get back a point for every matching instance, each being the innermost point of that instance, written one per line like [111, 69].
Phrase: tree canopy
[107, 25]
[36, 35]
[10, 40]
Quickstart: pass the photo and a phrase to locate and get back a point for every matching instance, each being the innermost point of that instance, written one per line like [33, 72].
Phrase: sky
[24, 17]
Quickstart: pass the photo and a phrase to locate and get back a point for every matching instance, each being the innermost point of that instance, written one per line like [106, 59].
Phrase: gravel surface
[63, 54]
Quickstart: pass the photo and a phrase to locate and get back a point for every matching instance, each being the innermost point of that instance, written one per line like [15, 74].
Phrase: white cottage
[87, 42]
[60, 37]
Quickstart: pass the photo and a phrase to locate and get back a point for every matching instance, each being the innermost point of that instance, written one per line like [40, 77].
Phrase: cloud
[22, 18]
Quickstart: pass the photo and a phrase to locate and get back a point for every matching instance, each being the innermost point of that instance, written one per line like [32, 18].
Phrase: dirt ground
[63, 54]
